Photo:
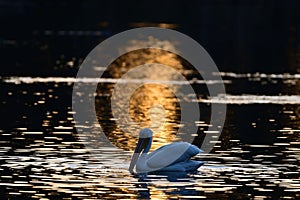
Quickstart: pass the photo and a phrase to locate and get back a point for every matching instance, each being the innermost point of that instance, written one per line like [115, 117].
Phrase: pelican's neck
[146, 150]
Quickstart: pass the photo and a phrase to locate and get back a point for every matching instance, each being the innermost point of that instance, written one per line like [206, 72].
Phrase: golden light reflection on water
[151, 105]
[145, 56]
[156, 106]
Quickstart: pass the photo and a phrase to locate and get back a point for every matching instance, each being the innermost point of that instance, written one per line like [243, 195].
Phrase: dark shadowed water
[257, 156]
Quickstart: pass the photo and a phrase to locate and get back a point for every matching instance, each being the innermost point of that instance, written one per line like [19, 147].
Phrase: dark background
[40, 37]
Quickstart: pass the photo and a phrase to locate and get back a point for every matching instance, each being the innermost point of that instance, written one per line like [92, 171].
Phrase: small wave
[257, 75]
[31, 80]
[253, 99]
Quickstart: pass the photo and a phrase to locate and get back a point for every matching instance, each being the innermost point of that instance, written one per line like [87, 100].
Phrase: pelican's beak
[142, 143]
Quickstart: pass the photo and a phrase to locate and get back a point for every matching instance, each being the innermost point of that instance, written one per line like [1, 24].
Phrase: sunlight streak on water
[253, 99]
[31, 80]
[259, 75]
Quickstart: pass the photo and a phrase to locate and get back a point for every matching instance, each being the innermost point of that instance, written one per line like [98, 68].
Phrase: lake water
[257, 156]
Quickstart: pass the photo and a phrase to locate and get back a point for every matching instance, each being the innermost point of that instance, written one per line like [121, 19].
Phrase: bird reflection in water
[146, 190]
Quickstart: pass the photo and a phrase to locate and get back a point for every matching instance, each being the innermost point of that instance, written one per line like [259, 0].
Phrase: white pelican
[168, 158]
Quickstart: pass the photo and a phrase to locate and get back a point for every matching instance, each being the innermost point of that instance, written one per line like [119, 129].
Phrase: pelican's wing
[170, 154]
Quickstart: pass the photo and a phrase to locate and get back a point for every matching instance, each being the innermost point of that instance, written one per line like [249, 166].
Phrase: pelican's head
[144, 143]
[145, 133]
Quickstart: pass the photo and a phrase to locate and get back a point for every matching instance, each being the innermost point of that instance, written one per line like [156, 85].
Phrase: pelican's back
[170, 154]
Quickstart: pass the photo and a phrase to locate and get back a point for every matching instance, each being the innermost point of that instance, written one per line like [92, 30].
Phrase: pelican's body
[168, 158]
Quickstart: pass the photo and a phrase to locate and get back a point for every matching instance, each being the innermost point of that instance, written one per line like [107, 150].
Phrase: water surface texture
[256, 157]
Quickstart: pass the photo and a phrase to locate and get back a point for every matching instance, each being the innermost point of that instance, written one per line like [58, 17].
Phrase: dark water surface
[43, 155]
[257, 156]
